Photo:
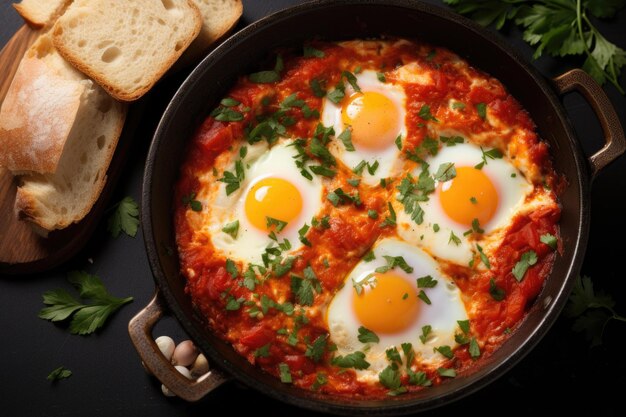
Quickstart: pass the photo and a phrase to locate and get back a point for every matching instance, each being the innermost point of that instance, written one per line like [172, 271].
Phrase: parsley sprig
[593, 311]
[557, 28]
[125, 218]
[85, 318]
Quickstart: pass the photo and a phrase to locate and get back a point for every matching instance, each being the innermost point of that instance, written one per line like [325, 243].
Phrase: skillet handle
[140, 330]
[614, 141]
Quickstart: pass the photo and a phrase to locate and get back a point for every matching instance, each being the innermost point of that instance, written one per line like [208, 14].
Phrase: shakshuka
[366, 218]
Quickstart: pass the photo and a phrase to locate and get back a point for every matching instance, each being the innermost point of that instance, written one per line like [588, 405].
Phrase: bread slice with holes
[219, 17]
[126, 46]
[40, 13]
[58, 131]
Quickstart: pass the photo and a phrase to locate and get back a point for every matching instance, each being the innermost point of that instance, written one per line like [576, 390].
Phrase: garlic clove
[166, 346]
[185, 353]
[200, 366]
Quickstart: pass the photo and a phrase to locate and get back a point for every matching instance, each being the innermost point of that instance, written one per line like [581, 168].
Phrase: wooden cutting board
[21, 249]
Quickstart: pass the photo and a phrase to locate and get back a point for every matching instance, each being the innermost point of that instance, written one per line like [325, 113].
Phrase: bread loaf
[126, 46]
[58, 130]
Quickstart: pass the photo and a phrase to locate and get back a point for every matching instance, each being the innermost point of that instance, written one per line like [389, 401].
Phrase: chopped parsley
[302, 235]
[446, 172]
[390, 378]
[445, 350]
[392, 262]
[425, 113]
[280, 225]
[448, 373]
[391, 219]
[367, 336]
[354, 360]
[474, 349]
[425, 332]
[233, 180]
[451, 140]
[549, 240]
[458, 105]
[464, 325]
[426, 282]
[285, 373]
[346, 138]
[310, 52]
[316, 350]
[454, 239]
[317, 87]
[369, 280]
[496, 292]
[231, 268]
[304, 288]
[372, 214]
[393, 355]
[369, 256]
[398, 142]
[527, 260]
[422, 296]
[190, 200]
[483, 257]
[231, 229]
[266, 77]
[481, 109]
[381, 77]
[59, 373]
[490, 154]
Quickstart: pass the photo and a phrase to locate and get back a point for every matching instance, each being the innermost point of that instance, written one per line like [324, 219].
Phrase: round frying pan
[335, 20]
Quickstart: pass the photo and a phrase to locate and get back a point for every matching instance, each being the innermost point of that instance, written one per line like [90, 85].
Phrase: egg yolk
[468, 196]
[374, 119]
[388, 307]
[272, 197]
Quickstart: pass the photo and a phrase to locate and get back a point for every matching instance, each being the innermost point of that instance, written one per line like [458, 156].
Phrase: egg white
[386, 158]
[250, 242]
[442, 314]
[512, 192]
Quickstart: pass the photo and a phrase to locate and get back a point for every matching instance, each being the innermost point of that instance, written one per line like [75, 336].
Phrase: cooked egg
[485, 198]
[390, 305]
[375, 117]
[274, 200]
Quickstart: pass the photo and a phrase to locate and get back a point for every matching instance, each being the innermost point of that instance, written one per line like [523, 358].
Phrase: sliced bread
[39, 110]
[56, 200]
[218, 18]
[126, 46]
[40, 13]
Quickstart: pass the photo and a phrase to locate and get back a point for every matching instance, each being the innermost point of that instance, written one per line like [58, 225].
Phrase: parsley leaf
[464, 325]
[304, 288]
[592, 310]
[310, 52]
[496, 292]
[481, 109]
[231, 229]
[381, 77]
[418, 378]
[425, 332]
[486, 155]
[285, 373]
[392, 262]
[425, 114]
[454, 239]
[125, 218]
[390, 378]
[446, 172]
[474, 349]
[367, 336]
[86, 318]
[391, 219]
[317, 88]
[426, 282]
[445, 351]
[422, 296]
[549, 240]
[526, 261]
[557, 28]
[354, 360]
[448, 373]
[316, 350]
[59, 373]
[483, 257]
[351, 80]
[346, 138]
[320, 379]
[266, 77]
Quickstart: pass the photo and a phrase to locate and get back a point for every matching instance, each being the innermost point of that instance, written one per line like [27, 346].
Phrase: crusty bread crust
[38, 196]
[74, 56]
[39, 110]
[213, 30]
[32, 13]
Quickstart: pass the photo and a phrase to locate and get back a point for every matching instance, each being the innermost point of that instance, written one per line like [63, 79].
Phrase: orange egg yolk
[374, 119]
[390, 306]
[468, 196]
[272, 197]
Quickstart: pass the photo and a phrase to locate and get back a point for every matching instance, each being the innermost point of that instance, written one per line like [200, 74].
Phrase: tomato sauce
[270, 337]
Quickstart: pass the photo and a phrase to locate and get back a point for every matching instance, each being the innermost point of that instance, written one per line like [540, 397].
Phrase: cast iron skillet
[342, 20]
